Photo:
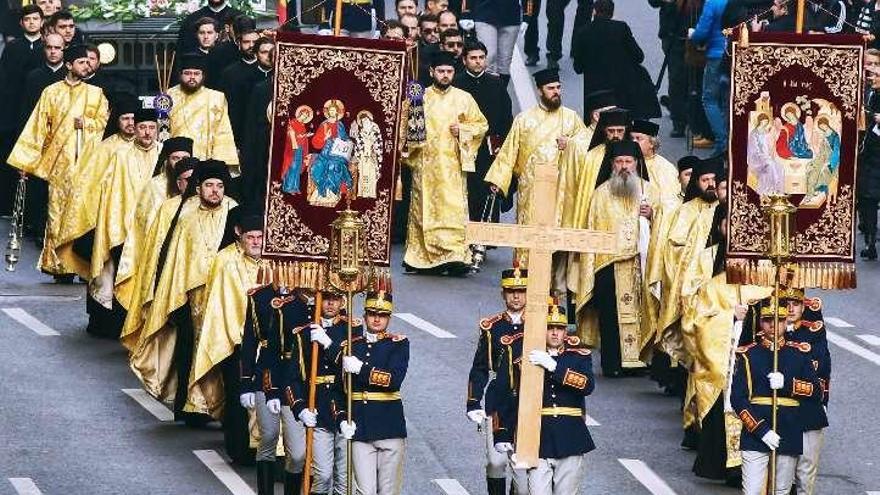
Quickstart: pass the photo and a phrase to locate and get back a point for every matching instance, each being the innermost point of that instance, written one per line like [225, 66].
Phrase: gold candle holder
[778, 210]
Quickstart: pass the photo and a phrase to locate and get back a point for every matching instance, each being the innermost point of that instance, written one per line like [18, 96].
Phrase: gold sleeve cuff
[749, 421]
[802, 388]
[575, 379]
[380, 378]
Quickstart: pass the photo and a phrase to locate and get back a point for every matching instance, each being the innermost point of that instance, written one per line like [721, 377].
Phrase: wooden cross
[541, 237]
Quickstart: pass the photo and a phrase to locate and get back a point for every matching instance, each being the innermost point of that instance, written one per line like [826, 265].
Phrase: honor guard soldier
[483, 373]
[805, 324]
[754, 381]
[568, 378]
[272, 314]
[377, 366]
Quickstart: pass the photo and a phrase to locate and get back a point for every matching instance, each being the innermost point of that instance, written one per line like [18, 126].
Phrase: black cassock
[237, 82]
[255, 147]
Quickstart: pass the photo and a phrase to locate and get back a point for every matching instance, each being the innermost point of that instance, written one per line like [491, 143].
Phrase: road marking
[25, 486]
[590, 421]
[872, 493]
[153, 406]
[14, 298]
[451, 487]
[870, 339]
[646, 477]
[29, 321]
[224, 472]
[853, 347]
[523, 87]
[837, 322]
[424, 325]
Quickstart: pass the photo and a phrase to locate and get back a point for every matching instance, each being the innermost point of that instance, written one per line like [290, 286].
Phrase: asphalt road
[67, 426]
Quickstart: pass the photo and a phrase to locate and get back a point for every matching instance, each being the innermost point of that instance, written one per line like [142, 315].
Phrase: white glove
[477, 416]
[309, 417]
[352, 364]
[466, 24]
[541, 358]
[504, 447]
[347, 429]
[777, 380]
[274, 406]
[319, 335]
[248, 400]
[771, 439]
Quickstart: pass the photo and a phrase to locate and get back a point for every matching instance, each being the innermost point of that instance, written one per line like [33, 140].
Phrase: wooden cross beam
[541, 238]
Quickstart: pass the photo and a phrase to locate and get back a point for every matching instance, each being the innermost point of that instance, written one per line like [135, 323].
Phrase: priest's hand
[478, 416]
[274, 406]
[771, 439]
[542, 359]
[309, 417]
[646, 211]
[347, 429]
[77, 123]
[504, 447]
[352, 364]
[740, 311]
[777, 380]
[492, 187]
[562, 142]
[247, 400]
[319, 335]
[454, 129]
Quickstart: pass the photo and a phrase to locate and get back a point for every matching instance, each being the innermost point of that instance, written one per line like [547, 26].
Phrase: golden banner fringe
[806, 274]
[316, 275]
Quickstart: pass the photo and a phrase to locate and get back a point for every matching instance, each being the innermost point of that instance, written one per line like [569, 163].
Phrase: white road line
[837, 322]
[14, 298]
[590, 421]
[25, 486]
[153, 406]
[29, 321]
[870, 339]
[853, 347]
[646, 477]
[224, 472]
[872, 493]
[451, 487]
[424, 325]
[523, 87]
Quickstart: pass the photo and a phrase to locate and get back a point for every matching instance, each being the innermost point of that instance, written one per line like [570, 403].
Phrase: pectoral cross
[541, 237]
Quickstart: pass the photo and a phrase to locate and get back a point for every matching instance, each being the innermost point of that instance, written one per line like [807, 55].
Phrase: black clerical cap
[614, 117]
[627, 147]
[249, 221]
[75, 52]
[443, 58]
[192, 61]
[687, 162]
[177, 143]
[721, 174]
[603, 98]
[645, 127]
[546, 76]
[184, 164]
[624, 148]
[125, 103]
[244, 25]
[708, 166]
[144, 115]
[213, 169]
[28, 10]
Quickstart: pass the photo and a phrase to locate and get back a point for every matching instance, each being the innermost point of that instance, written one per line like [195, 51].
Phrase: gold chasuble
[191, 251]
[49, 147]
[582, 172]
[80, 213]
[613, 213]
[203, 117]
[134, 249]
[232, 275]
[129, 171]
[438, 209]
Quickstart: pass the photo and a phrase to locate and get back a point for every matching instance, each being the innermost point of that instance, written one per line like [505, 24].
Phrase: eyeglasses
[454, 44]
[428, 30]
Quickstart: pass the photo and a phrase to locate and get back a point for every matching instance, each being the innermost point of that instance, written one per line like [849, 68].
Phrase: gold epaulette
[509, 339]
[353, 340]
[573, 340]
[745, 348]
[813, 303]
[487, 322]
[256, 289]
[801, 346]
[280, 301]
[583, 351]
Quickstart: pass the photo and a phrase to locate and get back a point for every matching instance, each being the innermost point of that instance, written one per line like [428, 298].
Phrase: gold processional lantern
[778, 210]
[347, 248]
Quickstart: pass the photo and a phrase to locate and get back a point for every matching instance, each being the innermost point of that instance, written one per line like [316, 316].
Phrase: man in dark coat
[238, 79]
[255, 148]
[607, 54]
[490, 93]
[868, 180]
[219, 10]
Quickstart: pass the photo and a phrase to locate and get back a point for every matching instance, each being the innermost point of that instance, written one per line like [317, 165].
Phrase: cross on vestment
[541, 237]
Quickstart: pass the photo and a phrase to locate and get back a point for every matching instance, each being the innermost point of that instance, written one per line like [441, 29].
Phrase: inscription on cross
[541, 238]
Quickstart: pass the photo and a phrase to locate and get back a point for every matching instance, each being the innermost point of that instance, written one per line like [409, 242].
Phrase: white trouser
[328, 462]
[808, 462]
[500, 42]
[556, 476]
[378, 466]
[294, 436]
[754, 472]
[497, 463]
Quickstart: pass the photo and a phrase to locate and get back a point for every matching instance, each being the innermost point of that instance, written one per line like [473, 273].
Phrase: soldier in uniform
[754, 381]
[272, 316]
[484, 370]
[568, 378]
[377, 365]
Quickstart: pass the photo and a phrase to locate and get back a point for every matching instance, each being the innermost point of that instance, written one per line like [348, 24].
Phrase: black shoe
[552, 64]
[292, 483]
[870, 253]
[495, 486]
[457, 269]
[677, 130]
[265, 478]
[63, 279]
[532, 60]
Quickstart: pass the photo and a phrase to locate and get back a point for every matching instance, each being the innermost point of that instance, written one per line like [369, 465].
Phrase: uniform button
[368, 354]
[553, 395]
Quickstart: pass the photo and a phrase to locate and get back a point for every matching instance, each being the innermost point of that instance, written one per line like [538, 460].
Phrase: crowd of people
[165, 228]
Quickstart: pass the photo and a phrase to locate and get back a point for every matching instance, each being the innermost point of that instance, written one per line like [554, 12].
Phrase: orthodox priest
[163, 356]
[594, 104]
[68, 121]
[438, 210]
[611, 294]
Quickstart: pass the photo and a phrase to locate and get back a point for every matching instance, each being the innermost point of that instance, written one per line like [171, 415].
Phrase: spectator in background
[62, 23]
[49, 7]
[393, 30]
[447, 20]
[497, 23]
[716, 81]
[412, 26]
[429, 44]
[452, 41]
[556, 24]
[868, 180]
[531, 9]
[435, 7]
[404, 7]
[219, 10]
[675, 18]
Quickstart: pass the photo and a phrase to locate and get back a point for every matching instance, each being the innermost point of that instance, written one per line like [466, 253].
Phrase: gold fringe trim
[802, 274]
[316, 276]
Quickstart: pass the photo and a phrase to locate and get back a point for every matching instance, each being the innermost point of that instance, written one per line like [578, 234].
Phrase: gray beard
[624, 186]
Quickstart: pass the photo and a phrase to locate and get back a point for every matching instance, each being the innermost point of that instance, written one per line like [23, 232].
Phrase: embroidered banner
[794, 112]
[335, 131]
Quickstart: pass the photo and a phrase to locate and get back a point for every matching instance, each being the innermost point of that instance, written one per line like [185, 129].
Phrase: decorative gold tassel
[744, 36]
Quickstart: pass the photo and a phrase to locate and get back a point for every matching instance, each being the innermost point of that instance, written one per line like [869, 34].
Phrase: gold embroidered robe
[47, 148]
[232, 275]
[203, 116]
[439, 209]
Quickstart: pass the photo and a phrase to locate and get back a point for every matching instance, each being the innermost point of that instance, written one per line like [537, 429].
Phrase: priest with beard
[611, 296]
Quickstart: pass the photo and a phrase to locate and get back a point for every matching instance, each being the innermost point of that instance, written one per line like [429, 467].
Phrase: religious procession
[391, 247]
